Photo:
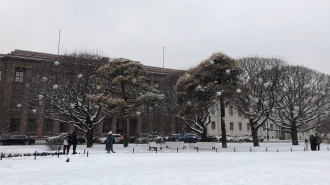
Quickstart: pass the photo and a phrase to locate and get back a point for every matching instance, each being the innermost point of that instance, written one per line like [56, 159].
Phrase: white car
[102, 138]
[116, 139]
[237, 139]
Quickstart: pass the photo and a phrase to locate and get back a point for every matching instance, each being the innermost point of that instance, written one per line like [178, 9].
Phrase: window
[231, 125]
[213, 125]
[144, 128]
[63, 127]
[48, 126]
[239, 113]
[240, 126]
[16, 99]
[31, 126]
[144, 108]
[248, 126]
[231, 111]
[19, 74]
[107, 124]
[0, 75]
[13, 127]
[271, 126]
[212, 110]
[264, 128]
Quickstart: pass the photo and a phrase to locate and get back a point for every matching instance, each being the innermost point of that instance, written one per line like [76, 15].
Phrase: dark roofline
[38, 56]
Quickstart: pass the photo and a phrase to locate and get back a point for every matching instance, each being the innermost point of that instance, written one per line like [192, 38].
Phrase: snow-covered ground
[168, 167]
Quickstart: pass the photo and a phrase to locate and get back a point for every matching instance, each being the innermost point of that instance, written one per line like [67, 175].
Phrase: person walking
[312, 140]
[109, 143]
[66, 145]
[318, 141]
[74, 142]
[306, 143]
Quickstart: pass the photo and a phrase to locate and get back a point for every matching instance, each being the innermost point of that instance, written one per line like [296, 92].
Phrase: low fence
[35, 155]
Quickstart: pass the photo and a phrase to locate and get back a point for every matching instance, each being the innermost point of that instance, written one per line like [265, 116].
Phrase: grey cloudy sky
[297, 31]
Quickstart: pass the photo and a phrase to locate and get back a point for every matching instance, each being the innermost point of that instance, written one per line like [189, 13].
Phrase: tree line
[77, 90]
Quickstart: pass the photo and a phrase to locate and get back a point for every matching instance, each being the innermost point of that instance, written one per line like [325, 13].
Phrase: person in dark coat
[317, 141]
[109, 143]
[74, 142]
[312, 140]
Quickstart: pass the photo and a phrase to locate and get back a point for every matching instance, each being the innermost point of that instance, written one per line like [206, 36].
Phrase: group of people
[315, 142]
[70, 139]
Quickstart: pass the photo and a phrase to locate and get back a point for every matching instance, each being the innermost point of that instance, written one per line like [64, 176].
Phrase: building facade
[19, 67]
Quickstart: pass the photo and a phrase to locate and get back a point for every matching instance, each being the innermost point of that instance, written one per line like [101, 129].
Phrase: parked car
[7, 139]
[236, 139]
[141, 138]
[191, 138]
[118, 139]
[211, 139]
[102, 138]
[97, 138]
[155, 137]
[250, 139]
[174, 137]
[166, 136]
[81, 139]
[228, 137]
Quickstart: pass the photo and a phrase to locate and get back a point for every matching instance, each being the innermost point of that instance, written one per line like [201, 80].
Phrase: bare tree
[303, 96]
[323, 126]
[63, 90]
[260, 78]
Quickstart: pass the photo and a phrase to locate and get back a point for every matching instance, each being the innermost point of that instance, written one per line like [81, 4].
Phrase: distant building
[18, 67]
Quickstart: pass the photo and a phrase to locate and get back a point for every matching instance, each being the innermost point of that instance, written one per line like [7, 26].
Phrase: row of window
[31, 126]
[231, 111]
[240, 126]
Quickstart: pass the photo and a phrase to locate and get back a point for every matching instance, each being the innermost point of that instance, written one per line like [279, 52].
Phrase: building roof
[32, 55]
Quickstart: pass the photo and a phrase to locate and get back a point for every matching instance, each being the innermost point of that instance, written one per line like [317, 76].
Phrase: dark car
[174, 137]
[139, 138]
[211, 139]
[81, 139]
[250, 139]
[191, 138]
[16, 140]
[97, 138]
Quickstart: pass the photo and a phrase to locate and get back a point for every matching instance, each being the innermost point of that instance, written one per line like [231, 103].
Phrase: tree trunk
[125, 131]
[89, 137]
[254, 133]
[204, 134]
[294, 134]
[223, 125]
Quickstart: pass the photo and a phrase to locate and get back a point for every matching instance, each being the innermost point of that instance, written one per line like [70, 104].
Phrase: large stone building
[18, 67]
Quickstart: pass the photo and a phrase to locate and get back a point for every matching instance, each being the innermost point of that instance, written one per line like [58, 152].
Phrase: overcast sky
[297, 31]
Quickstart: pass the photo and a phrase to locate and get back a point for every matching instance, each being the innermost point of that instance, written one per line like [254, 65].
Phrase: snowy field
[168, 167]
